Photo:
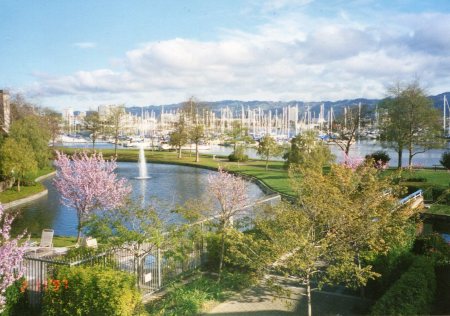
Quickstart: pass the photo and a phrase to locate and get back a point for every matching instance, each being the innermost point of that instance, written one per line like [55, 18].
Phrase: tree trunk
[410, 156]
[179, 152]
[267, 163]
[362, 289]
[197, 156]
[18, 184]
[400, 153]
[222, 251]
[308, 294]
[79, 235]
[115, 148]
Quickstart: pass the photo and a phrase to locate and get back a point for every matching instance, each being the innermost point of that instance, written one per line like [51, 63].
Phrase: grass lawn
[438, 177]
[199, 294]
[58, 241]
[12, 194]
[25, 191]
[439, 209]
[275, 178]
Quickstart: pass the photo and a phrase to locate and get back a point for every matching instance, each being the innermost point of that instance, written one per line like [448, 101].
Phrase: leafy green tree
[114, 122]
[53, 122]
[17, 159]
[307, 148]
[410, 121]
[134, 228]
[179, 136]
[238, 134]
[197, 135]
[33, 129]
[268, 148]
[445, 160]
[94, 125]
[340, 221]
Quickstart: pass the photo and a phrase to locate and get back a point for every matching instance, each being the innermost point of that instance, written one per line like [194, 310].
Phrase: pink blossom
[230, 191]
[11, 255]
[352, 162]
[88, 183]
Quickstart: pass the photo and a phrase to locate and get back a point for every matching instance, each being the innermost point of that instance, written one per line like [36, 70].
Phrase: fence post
[158, 259]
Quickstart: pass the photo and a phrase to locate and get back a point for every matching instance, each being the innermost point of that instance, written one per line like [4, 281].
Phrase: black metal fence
[154, 267]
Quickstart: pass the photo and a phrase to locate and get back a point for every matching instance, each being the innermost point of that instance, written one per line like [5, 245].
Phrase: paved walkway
[265, 301]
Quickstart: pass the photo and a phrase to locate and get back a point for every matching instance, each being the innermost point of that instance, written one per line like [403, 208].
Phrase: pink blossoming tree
[11, 255]
[88, 183]
[352, 162]
[231, 192]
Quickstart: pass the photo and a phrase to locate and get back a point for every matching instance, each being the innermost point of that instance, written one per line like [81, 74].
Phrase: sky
[85, 53]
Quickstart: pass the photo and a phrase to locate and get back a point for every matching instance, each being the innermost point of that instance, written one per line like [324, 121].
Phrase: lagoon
[168, 186]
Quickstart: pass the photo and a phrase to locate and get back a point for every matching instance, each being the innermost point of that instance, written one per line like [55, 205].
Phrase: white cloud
[291, 57]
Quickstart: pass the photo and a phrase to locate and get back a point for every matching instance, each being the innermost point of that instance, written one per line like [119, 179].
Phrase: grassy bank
[25, 191]
[58, 241]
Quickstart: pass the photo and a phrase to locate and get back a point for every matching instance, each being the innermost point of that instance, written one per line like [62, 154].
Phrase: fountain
[142, 164]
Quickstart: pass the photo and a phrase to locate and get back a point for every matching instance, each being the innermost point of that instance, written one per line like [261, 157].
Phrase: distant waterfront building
[5, 118]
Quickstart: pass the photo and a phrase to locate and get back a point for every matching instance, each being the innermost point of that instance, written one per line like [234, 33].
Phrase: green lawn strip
[275, 177]
[438, 177]
[25, 191]
[58, 241]
[202, 290]
[439, 209]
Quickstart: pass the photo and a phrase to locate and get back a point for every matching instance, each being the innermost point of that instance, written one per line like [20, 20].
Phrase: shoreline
[32, 197]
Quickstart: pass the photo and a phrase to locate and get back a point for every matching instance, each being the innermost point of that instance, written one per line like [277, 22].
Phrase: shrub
[445, 160]
[16, 299]
[380, 159]
[412, 294]
[433, 245]
[238, 155]
[416, 179]
[91, 291]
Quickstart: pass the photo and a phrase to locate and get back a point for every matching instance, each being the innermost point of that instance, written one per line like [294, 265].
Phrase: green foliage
[442, 303]
[91, 291]
[17, 159]
[306, 148]
[188, 299]
[412, 294]
[445, 160]
[379, 158]
[390, 267]
[17, 300]
[433, 245]
[238, 155]
[268, 147]
[410, 121]
[32, 129]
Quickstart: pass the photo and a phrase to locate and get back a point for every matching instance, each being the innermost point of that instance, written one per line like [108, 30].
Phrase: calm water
[169, 186]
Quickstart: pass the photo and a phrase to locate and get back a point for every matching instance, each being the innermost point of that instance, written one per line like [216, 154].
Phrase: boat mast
[445, 119]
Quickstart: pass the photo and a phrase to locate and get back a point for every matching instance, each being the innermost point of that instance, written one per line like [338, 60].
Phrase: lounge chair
[45, 246]
[89, 242]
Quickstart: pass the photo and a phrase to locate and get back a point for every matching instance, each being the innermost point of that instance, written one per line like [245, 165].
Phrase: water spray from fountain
[142, 164]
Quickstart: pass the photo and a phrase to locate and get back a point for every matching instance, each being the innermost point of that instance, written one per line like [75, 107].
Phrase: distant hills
[236, 105]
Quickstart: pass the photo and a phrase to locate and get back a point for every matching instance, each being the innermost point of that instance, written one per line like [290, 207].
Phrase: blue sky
[82, 54]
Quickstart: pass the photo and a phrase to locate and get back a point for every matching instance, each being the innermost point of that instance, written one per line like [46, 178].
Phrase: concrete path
[265, 301]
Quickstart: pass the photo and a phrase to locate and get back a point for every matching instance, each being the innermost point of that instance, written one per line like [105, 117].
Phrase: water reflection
[169, 186]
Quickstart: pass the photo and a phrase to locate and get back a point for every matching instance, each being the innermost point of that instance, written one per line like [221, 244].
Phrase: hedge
[91, 291]
[412, 294]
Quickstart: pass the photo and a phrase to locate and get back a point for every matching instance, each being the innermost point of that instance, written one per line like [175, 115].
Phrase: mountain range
[236, 105]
